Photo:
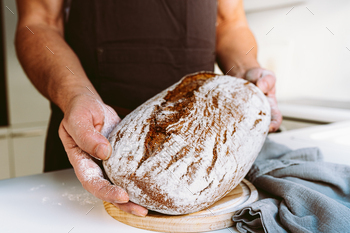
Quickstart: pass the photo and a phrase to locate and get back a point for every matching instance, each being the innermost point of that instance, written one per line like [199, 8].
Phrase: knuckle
[60, 131]
[68, 118]
[69, 145]
[96, 191]
[101, 188]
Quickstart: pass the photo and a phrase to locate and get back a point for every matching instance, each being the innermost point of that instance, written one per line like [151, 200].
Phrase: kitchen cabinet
[21, 151]
[4, 155]
[293, 124]
[28, 150]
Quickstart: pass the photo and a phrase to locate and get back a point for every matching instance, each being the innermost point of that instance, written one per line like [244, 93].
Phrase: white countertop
[333, 140]
[56, 202]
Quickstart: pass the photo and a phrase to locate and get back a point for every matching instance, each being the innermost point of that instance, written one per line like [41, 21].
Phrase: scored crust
[191, 144]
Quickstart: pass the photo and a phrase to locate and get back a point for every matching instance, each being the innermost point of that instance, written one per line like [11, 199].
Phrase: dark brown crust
[154, 194]
[255, 123]
[206, 187]
[262, 113]
[179, 155]
[215, 156]
[157, 128]
[179, 101]
[225, 137]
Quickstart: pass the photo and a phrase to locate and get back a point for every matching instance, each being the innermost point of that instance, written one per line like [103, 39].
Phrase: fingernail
[121, 201]
[136, 213]
[95, 157]
[122, 198]
[102, 151]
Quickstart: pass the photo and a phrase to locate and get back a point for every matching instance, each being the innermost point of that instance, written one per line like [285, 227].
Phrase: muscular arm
[236, 51]
[48, 71]
[234, 39]
[87, 119]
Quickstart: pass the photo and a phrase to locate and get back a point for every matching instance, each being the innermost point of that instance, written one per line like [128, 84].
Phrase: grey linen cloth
[298, 193]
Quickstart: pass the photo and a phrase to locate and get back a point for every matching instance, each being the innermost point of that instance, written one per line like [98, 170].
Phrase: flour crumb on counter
[47, 200]
[81, 196]
[37, 187]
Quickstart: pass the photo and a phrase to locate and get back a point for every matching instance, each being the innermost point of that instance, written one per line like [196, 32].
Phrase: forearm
[235, 47]
[48, 70]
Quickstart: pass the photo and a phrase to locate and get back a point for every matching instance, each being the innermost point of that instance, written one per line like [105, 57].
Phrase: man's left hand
[266, 80]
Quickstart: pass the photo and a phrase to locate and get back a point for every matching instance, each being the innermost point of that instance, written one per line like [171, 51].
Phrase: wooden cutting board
[217, 216]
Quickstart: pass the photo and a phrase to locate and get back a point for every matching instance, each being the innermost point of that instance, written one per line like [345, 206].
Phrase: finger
[253, 75]
[85, 134]
[89, 173]
[276, 116]
[91, 177]
[110, 121]
[266, 82]
[133, 208]
[276, 120]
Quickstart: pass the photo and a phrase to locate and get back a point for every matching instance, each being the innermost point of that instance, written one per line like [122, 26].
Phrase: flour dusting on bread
[191, 144]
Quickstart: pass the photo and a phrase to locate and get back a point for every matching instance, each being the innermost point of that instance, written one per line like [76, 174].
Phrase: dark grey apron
[133, 49]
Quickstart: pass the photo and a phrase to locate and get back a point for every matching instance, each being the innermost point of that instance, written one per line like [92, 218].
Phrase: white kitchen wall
[308, 47]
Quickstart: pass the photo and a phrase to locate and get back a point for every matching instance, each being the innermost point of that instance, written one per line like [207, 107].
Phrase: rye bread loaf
[191, 144]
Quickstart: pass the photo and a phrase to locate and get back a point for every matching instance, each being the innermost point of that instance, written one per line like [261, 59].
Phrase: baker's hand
[83, 131]
[265, 80]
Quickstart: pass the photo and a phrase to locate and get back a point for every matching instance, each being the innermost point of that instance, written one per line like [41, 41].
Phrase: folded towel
[300, 193]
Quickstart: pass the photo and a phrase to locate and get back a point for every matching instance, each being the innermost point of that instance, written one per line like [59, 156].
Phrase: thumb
[253, 75]
[88, 137]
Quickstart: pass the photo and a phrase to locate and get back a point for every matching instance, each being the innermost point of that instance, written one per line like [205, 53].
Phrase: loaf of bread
[191, 144]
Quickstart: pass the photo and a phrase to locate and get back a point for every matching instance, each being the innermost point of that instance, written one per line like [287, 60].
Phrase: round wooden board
[215, 217]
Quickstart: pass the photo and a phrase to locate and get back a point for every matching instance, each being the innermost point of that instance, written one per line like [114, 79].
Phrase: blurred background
[306, 43]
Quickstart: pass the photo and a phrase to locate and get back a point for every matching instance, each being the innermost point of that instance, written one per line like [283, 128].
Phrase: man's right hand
[55, 70]
[83, 131]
